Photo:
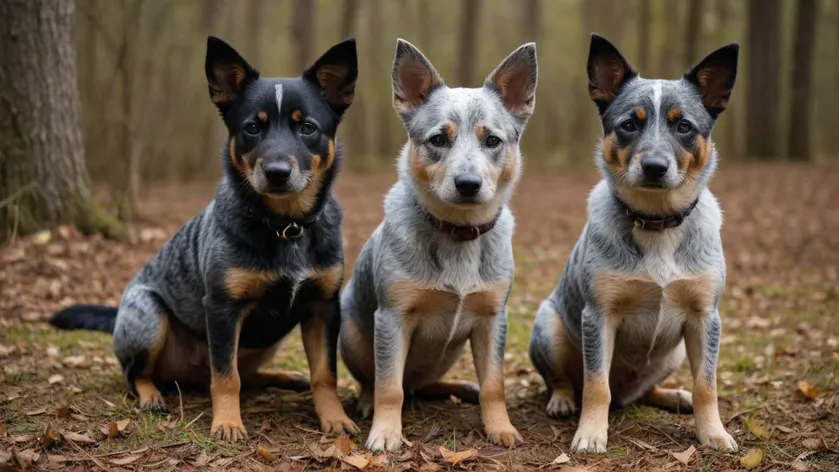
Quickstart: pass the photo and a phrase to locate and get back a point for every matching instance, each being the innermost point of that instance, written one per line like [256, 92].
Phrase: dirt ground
[63, 404]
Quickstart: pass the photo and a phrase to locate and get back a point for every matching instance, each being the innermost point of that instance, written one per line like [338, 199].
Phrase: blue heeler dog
[264, 256]
[438, 270]
[642, 285]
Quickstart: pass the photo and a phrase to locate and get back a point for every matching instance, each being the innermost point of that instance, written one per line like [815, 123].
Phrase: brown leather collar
[656, 223]
[460, 232]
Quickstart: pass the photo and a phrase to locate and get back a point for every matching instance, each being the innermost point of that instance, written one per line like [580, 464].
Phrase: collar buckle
[291, 231]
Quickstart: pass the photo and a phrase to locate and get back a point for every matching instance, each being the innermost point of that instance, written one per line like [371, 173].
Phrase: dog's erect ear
[335, 73]
[414, 78]
[515, 80]
[607, 71]
[714, 76]
[227, 72]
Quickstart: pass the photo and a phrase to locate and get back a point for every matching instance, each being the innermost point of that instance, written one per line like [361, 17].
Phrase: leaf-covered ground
[63, 404]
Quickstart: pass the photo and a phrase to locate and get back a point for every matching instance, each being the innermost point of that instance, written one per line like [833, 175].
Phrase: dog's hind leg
[283, 379]
[556, 359]
[139, 337]
[443, 389]
[671, 399]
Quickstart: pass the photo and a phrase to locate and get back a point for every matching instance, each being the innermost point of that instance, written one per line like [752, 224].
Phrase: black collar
[286, 228]
[459, 233]
[656, 223]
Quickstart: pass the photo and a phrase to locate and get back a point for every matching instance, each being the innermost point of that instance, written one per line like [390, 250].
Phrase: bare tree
[763, 78]
[467, 57]
[644, 26]
[424, 25]
[302, 29]
[799, 119]
[693, 31]
[256, 20]
[349, 17]
[43, 178]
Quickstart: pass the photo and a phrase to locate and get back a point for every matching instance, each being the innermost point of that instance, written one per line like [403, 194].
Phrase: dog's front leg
[224, 323]
[598, 332]
[320, 340]
[702, 340]
[391, 344]
[487, 339]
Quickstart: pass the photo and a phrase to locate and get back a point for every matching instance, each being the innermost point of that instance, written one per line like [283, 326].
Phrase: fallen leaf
[2, 430]
[784, 429]
[53, 351]
[79, 438]
[493, 452]
[813, 444]
[49, 437]
[430, 467]
[359, 462]
[122, 424]
[684, 456]
[62, 413]
[345, 444]
[809, 390]
[126, 460]
[643, 445]
[25, 458]
[41, 237]
[39, 411]
[201, 460]
[752, 458]
[407, 455]
[74, 361]
[265, 454]
[561, 459]
[380, 460]
[22, 438]
[455, 458]
[57, 458]
[54, 379]
[757, 428]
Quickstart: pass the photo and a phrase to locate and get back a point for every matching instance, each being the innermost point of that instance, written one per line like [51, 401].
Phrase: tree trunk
[799, 120]
[693, 31]
[43, 179]
[644, 26]
[763, 88]
[303, 31]
[424, 26]
[348, 18]
[467, 58]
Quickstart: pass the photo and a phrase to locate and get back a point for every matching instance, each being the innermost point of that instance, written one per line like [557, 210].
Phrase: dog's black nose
[654, 167]
[277, 172]
[468, 185]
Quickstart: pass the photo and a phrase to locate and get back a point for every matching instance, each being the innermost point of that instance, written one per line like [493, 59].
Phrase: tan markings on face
[695, 296]
[451, 131]
[300, 203]
[412, 298]
[488, 302]
[510, 169]
[481, 132]
[297, 116]
[328, 279]
[263, 117]
[703, 153]
[674, 113]
[233, 158]
[243, 283]
[618, 295]
[417, 166]
[616, 158]
[330, 156]
[641, 113]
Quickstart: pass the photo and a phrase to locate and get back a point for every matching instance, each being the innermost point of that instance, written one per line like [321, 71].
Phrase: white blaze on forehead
[278, 92]
[657, 86]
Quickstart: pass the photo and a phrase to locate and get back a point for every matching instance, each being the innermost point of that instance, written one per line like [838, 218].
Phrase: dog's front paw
[385, 436]
[717, 438]
[228, 430]
[337, 423]
[560, 404]
[506, 435]
[590, 439]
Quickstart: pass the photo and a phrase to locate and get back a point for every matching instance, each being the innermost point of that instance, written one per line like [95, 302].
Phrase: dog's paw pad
[229, 430]
[338, 424]
[560, 405]
[590, 440]
[153, 403]
[718, 440]
[387, 438]
[507, 436]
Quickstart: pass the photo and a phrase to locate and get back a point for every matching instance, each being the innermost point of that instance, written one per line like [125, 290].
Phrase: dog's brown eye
[684, 127]
[252, 128]
[492, 141]
[438, 140]
[308, 129]
[628, 126]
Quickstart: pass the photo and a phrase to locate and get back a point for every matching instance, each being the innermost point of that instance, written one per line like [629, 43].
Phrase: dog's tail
[89, 317]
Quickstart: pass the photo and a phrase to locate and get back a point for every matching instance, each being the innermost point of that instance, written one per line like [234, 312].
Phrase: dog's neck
[658, 204]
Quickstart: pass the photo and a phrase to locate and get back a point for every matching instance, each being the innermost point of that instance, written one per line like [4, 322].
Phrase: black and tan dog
[264, 256]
